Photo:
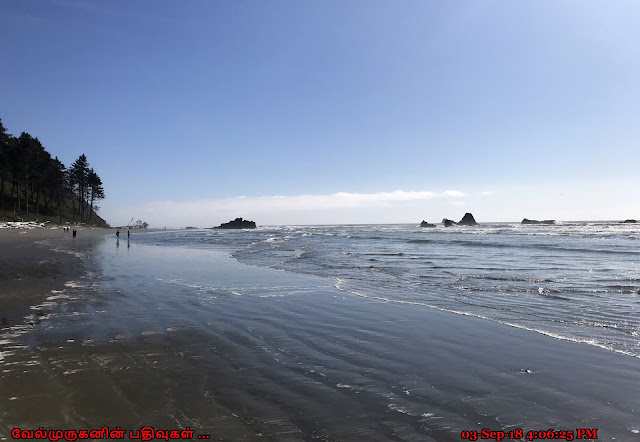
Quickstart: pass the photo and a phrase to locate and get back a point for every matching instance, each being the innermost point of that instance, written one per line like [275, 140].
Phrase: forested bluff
[36, 186]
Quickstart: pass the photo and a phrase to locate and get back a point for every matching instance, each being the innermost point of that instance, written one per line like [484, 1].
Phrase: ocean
[573, 281]
[350, 332]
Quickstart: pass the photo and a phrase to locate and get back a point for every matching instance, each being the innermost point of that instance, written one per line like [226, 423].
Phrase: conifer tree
[34, 182]
[95, 189]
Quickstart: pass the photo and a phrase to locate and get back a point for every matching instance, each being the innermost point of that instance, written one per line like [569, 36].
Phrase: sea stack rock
[468, 220]
[238, 223]
[534, 221]
[448, 222]
[426, 224]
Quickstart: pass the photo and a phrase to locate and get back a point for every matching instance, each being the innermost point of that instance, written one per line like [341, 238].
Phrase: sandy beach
[388, 221]
[29, 270]
[104, 333]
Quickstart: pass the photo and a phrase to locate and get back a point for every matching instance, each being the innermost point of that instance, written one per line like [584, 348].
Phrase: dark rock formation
[448, 222]
[468, 220]
[629, 221]
[426, 224]
[534, 221]
[237, 223]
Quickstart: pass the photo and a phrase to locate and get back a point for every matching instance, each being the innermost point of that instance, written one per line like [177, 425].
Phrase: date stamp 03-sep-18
[519, 434]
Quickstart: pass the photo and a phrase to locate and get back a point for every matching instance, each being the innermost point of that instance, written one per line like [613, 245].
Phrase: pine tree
[95, 189]
[80, 173]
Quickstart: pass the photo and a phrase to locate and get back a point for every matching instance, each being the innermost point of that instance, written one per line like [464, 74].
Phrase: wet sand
[267, 355]
[29, 270]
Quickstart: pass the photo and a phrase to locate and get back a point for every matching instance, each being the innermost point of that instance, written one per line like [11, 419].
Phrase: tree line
[34, 182]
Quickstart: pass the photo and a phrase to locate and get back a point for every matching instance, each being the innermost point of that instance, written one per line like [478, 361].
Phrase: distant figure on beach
[74, 233]
[118, 233]
[128, 234]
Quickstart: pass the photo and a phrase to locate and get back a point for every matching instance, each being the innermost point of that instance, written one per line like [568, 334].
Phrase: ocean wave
[340, 285]
[495, 271]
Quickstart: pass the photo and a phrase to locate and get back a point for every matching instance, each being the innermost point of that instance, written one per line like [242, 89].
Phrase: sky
[361, 111]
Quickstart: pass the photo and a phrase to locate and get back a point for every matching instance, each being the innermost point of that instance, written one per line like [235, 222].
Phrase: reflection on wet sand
[176, 338]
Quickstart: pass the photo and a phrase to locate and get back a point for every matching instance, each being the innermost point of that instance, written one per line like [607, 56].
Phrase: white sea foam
[28, 225]
[592, 342]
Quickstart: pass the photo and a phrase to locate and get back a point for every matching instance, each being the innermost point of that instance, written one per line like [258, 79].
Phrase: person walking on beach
[128, 234]
[118, 233]
[74, 233]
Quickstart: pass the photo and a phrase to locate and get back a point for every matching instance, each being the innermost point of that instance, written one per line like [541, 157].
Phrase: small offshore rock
[237, 223]
[468, 220]
[534, 221]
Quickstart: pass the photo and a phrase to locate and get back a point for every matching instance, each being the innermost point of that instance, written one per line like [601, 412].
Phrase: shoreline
[318, 361]
[32, 266]
[30, 269]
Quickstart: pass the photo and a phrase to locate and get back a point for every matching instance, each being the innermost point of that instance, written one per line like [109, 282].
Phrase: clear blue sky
[518, 109]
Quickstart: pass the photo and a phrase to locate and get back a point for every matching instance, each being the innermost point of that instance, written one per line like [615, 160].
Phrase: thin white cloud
[278, 209]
